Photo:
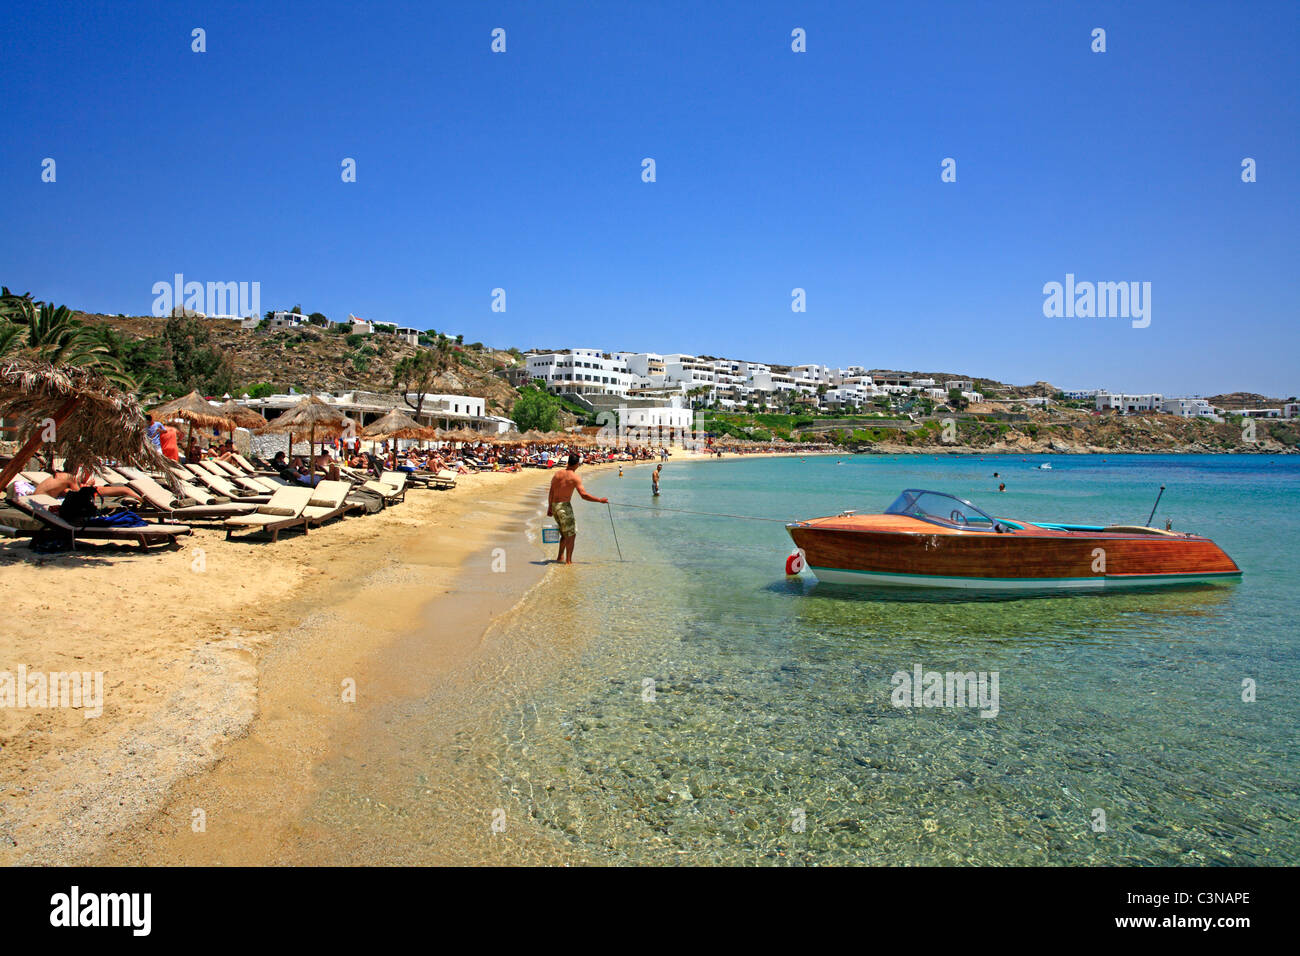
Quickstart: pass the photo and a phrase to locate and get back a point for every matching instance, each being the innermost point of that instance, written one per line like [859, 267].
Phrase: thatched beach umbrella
[533, 437]
[241, 415]
[79, 414]
[194, 409]
[396, 424]
[310, 417]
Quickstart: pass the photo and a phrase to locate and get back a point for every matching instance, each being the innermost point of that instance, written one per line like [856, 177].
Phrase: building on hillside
[287, 320]
[644, 364]
[583, 371]
[1127, 404]
[1189, 408]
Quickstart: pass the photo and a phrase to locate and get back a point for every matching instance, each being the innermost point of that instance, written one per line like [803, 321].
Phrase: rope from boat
[707, 514]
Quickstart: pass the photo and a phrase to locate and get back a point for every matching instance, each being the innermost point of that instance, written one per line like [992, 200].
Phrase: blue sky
[775, 170]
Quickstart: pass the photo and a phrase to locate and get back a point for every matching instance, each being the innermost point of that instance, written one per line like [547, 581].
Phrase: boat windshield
[942, 509]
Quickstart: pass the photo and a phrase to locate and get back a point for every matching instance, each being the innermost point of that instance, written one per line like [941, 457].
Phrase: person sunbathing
[61, 483]
[57, 485]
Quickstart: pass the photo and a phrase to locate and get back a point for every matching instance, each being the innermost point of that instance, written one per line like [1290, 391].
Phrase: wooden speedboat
[932, 539]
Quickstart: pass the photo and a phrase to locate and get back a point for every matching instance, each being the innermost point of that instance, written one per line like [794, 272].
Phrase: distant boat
[936, 540]
[1045, 466]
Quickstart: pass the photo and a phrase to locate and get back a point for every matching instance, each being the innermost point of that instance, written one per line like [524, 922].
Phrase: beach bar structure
[365, 408]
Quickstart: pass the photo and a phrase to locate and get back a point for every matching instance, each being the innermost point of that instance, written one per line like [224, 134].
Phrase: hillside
[309, 358]
[1068, 431]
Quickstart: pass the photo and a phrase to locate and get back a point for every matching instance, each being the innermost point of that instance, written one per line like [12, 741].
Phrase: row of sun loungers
[238, 496]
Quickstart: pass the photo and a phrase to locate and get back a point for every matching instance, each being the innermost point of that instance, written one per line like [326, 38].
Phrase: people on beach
[558, 505]
[169, 443]
[654, 479]
[62, 483]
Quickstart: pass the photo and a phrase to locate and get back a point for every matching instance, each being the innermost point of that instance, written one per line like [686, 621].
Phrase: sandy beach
[236, 652]
[226, 666]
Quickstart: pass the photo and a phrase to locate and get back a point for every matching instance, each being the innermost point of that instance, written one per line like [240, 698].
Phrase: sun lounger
[107, 476]
[223, 486]
[248, 466]
[166, 503]
[329, 500]
[391, 484]
[197, 494]
[283, 510]
[42, 507]
[444, 479]
[219, 469]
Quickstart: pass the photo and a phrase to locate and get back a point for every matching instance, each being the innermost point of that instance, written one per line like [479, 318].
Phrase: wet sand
[226, 737]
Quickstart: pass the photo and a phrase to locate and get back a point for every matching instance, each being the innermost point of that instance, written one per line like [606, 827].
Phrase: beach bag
[77, 506]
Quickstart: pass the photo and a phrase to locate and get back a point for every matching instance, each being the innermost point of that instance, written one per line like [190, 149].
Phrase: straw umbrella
[309, 417]
[79, 414]
[242, 416]
[397, 424]
[194, 409]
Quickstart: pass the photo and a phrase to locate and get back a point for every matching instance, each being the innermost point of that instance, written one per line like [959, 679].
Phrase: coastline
[225, 660]
[223, 688]
[223, 646]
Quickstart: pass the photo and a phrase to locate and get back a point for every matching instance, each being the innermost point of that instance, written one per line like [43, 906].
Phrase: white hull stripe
[1098, 582]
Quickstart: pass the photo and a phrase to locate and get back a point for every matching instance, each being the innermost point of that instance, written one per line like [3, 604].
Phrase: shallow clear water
[772, 696]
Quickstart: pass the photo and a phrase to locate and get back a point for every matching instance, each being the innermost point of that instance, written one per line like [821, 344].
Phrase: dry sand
[225, 670]
[185, 638]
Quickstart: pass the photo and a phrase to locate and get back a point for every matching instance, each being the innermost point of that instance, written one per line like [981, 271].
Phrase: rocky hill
[1067, 431]
[311, 358]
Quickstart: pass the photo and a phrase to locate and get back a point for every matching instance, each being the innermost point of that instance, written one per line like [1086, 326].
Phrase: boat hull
[1023, 561]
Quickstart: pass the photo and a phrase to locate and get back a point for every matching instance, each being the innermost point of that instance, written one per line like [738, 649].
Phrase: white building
[1125, 403]
[1083, 394]
[455, 405]
[1189, 408]
[818, 374]
[287, 320]
[584, 372]
[662, 418]
[644, 364]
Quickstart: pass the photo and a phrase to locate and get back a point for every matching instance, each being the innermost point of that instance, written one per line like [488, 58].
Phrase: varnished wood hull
[1026, 560]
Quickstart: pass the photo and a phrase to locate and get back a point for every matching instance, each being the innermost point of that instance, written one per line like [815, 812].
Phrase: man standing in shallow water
[563, 485]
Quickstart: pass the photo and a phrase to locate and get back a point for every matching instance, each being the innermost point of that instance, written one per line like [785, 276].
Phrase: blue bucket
[550, 536]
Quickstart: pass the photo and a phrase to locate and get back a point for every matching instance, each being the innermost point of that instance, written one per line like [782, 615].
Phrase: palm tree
[54, 336]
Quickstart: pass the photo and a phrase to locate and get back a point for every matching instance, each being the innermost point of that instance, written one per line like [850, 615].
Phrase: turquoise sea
[720, 712]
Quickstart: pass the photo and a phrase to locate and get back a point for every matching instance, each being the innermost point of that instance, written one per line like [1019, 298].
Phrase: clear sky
[775, 170]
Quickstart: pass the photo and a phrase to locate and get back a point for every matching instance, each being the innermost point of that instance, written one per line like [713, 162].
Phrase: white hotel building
[585, 372]
[1125, 403]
